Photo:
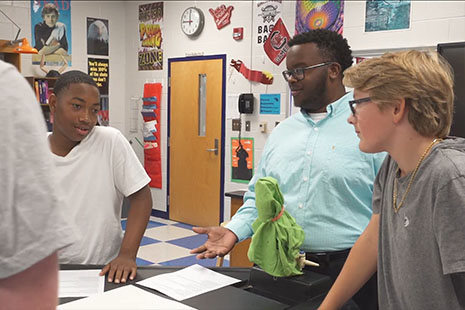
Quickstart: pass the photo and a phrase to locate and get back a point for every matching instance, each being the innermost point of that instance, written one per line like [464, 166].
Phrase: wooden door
[196, 140]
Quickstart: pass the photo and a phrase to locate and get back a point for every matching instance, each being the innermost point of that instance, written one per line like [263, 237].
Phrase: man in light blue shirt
[326, 181]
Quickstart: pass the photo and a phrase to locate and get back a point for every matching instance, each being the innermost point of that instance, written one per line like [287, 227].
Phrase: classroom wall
[114, 11]
[432, 22]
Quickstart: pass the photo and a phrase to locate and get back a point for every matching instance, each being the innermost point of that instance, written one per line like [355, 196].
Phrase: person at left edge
[97, 168]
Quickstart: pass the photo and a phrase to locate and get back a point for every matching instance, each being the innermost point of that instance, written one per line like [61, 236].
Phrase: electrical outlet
[236, 124]
[247, 126]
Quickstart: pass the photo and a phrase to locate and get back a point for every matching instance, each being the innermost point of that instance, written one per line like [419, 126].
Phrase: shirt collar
[335, 107]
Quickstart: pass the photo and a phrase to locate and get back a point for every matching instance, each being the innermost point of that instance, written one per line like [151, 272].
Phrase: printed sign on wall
[270, 103]
[312, 15]
[51, 31]
[150, 36]
[98, 69]
[242, 160]
[268, 13]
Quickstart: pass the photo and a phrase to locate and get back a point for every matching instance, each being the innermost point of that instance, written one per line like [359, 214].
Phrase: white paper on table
[123, 298]
[188, 282]
[80, 283]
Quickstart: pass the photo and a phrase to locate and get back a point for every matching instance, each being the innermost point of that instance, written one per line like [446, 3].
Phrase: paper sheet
[80, 283]
[125, 297]
[188, 282]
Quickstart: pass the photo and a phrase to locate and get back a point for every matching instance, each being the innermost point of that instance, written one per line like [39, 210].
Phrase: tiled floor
[168, 243]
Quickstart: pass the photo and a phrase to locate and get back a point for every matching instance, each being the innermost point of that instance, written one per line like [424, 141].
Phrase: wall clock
[192, 21]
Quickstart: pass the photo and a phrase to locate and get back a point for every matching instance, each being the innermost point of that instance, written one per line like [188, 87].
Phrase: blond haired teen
[416, 237]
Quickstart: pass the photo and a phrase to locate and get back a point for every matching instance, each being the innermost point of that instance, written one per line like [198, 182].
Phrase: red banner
[276, 44]
[252, 75]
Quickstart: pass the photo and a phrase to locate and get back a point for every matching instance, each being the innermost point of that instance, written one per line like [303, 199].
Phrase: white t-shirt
[32, 225]
[95, 176]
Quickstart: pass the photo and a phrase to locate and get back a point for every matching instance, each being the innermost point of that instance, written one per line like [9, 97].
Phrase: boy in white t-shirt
[96, 169]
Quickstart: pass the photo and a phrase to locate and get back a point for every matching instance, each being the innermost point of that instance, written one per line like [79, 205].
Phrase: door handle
[215, 150]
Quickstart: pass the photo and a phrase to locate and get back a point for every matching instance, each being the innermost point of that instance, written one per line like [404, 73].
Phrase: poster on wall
[268, 13]
[150, 55]
[98, 69]
[51, 31]
[312, 15]
[387, 15]
[242, 160]
[97, 36]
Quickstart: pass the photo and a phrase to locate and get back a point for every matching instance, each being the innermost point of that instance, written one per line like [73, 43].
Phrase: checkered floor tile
[168, 243]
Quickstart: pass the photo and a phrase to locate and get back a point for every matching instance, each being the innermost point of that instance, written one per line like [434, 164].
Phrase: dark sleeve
[64, 42]
[38, 36]
[458, 280]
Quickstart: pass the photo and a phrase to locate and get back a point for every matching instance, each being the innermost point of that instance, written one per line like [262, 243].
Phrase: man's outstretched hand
[220, 242]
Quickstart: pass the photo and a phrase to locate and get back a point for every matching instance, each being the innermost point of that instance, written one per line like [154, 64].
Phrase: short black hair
[72, 77]
[53, 73]
[332, 45]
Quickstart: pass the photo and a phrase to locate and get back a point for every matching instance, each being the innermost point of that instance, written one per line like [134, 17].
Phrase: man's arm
[221, 240]
[34, 288]
[358, 268]
[124, 264]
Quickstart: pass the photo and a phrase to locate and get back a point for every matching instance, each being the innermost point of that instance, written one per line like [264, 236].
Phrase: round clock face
[192, 21]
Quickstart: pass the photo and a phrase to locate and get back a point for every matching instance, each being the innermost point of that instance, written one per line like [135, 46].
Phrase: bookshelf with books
[43, 87]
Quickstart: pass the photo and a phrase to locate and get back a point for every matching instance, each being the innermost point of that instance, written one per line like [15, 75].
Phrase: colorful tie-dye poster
[387, 15]
[51, 31]
[312, 15]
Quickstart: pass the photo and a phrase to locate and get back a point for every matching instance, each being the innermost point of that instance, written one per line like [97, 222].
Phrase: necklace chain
[414, 173]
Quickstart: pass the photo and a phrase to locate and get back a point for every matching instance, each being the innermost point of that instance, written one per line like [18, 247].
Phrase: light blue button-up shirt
[326, 181]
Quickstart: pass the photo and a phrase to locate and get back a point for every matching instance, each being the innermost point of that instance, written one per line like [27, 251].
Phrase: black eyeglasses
[299, 73]
[353, 103]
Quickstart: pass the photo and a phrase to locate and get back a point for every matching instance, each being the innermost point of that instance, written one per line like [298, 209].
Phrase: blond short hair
[424, 79]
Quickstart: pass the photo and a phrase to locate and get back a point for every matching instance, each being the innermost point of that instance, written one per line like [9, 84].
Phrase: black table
[257, 290]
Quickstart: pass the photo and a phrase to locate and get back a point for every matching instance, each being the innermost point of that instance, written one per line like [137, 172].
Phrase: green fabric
[275, 245]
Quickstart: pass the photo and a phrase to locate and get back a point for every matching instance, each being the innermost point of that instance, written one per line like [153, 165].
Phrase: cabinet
[238, 255]
[43, 87]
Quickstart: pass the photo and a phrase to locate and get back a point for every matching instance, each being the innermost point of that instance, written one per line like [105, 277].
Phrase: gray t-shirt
[32, 226]
[424, 243]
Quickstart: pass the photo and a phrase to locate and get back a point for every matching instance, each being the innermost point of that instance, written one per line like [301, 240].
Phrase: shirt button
[301, 206]
[309, 153]
[316, 128]
[305, 179]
